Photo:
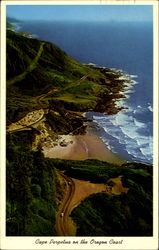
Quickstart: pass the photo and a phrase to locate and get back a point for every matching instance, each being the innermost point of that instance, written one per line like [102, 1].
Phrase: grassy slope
[29, 69]
[128, 214]
[52, 68]
[35, 67]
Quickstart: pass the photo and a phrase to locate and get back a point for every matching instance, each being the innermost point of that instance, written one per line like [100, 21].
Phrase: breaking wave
[129, 132]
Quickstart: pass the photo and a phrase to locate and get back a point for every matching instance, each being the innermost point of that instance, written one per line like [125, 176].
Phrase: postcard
[79, 125]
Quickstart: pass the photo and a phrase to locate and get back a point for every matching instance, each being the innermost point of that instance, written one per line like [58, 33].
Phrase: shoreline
[110, 104]
[91, 145]
[83, 147]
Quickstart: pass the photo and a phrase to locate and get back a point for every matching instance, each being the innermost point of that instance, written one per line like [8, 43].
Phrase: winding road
[63, 221]
[39, 98]
[64, 224]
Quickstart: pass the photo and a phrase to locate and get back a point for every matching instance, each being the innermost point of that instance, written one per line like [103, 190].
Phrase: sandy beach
[82, 147]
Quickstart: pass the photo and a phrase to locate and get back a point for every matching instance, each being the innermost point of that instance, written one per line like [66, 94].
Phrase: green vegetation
[31, 192]
[10, 26]
[31, 178]
[128, 214]
[99, 171]
[118, 215]
[29, 69]
[65, 123]
[18, 107]
[37, 68]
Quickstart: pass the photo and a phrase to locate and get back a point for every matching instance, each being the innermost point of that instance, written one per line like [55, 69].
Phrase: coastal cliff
[47, 94]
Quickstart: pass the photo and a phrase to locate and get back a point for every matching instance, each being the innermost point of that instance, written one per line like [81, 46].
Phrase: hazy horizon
[89, 13]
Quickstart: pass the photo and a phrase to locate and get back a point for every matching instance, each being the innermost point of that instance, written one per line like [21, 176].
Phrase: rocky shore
[65, 134]
[117, 82]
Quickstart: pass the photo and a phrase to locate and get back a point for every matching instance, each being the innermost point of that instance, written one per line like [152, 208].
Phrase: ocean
[127, 46]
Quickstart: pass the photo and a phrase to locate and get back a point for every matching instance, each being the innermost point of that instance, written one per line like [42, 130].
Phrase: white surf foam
[139, 124]
[150, 108]
[124, 127]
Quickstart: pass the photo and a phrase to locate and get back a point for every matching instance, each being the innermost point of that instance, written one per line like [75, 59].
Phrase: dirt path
[75, 192]
[28, 121]
[30, 68]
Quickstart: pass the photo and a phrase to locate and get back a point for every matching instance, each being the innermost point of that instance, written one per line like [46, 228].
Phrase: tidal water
[126, 46]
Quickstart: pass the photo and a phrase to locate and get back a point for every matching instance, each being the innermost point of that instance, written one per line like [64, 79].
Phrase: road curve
[63, 222]
[39, 98]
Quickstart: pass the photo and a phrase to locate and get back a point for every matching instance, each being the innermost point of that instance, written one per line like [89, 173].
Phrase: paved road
[63, 222]
[39, 98]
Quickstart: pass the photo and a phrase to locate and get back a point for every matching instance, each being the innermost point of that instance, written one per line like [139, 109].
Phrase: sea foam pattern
[125, 45]
[127, 133]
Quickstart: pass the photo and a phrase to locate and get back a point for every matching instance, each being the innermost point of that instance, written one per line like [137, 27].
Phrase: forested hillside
[43, 78]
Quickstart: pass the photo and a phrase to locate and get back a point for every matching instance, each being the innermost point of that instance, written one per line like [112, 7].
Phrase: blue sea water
[126, 46]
